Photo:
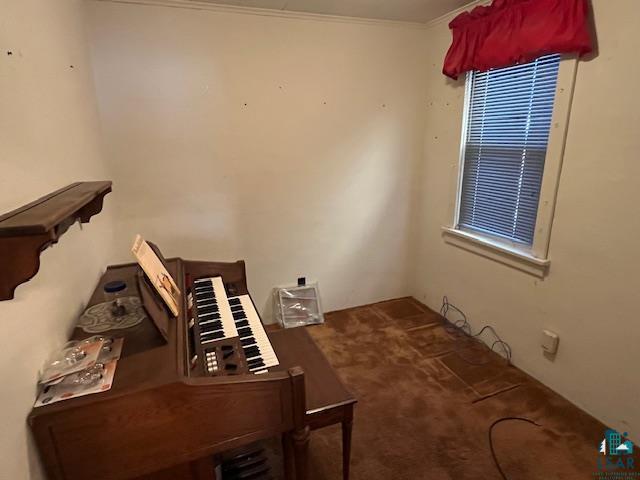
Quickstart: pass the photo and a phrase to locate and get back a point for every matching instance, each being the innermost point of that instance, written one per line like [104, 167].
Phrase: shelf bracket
[28, 230]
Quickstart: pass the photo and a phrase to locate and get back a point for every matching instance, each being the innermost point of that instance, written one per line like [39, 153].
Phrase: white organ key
[267, 354]
[224, 309]
[201, 288]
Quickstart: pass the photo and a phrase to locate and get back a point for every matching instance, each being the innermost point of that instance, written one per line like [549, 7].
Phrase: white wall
[590, 295]
[327, 171]
[288, 141]
[48, 138]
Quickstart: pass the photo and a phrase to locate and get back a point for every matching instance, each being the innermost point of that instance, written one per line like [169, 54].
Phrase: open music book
[157, 273]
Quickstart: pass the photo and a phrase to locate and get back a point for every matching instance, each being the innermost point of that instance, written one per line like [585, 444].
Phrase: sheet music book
[157, 273]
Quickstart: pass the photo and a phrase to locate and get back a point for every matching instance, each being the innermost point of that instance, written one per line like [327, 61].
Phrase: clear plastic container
[298, 306]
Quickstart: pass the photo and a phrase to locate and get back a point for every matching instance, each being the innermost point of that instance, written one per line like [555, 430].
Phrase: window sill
[497, 251]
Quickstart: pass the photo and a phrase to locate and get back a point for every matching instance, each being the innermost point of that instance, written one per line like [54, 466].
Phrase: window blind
[507, 130]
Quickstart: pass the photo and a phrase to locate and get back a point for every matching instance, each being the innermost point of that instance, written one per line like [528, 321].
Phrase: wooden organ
[186, 389]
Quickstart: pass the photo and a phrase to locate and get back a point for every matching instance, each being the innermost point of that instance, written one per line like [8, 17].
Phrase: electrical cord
[493, 452]
[461, 330]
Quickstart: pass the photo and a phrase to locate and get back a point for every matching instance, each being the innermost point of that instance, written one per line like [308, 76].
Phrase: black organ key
[208, 290]
[212, 335]
[239, 315]
[247, 341]
[255, 363]
[244, 332]
[208, 309]
[252, 351]
[205, 299]
[242, 323]
[208, 319]
[205, 292]
[210, 331]
[208, 313]
[210, 327]
[234, 301]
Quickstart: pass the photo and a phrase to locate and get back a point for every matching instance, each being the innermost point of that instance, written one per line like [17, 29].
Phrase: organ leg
[346, 447]
[301, 449]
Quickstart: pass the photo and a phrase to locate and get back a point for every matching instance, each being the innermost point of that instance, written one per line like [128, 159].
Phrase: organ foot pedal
[249, 464]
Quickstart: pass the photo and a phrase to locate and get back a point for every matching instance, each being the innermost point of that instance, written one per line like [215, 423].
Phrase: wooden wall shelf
[28, 230]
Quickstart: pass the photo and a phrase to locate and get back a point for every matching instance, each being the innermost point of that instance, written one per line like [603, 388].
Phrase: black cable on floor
[461, 329]
[493, 452]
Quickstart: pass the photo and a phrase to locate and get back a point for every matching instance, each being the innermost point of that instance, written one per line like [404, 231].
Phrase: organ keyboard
[217, 319]
[212, 310]
[255, 343]
[185, 390]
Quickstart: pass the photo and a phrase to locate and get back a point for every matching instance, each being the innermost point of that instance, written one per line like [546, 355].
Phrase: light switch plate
[550, 341]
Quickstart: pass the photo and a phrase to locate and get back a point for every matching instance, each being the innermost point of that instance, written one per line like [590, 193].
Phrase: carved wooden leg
[347, 426]
[288, 457]
[301, 448]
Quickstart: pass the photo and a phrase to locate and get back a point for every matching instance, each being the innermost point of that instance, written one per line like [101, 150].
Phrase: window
[507, 131]
[510, 131]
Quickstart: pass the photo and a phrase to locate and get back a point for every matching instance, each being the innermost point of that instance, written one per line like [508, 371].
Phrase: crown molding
[266, 12]
[447, 17]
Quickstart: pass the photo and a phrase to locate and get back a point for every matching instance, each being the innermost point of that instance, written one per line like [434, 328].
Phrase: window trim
[534, 259]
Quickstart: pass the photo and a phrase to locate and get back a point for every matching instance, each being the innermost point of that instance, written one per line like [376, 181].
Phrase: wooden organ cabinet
[189, 388]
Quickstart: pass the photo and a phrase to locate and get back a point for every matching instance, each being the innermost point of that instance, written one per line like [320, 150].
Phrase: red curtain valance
[516, 31]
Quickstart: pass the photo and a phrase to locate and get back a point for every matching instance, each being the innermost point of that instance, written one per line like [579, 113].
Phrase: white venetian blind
[507, 131]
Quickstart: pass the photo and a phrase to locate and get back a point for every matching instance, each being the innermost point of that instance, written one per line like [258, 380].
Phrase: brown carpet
[424, 412]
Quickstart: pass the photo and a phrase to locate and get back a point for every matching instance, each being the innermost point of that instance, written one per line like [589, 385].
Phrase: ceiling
[403, 10]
